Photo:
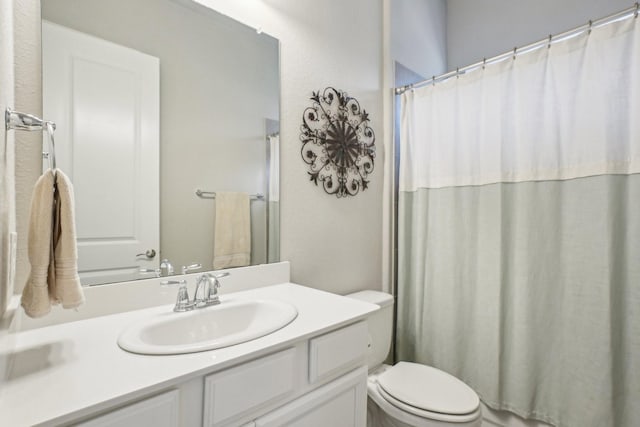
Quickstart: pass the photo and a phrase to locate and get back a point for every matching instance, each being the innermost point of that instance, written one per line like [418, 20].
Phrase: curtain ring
[515, 51]
[550, 38]
[637, 8]
[457, 72]
[433, 80]
[484, 63]
[590, 25]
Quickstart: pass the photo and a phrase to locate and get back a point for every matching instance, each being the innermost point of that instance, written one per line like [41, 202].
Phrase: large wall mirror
[153, 100]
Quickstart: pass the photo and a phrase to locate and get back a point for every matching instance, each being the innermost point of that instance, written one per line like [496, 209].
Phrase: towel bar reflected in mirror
[212, 195]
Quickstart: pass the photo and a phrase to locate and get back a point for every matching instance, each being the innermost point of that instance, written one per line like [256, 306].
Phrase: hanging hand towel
[52, 248]
[232, 240]
[64, 286]
[35, 296]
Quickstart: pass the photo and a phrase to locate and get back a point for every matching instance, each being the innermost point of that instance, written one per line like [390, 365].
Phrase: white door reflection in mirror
[104, 99]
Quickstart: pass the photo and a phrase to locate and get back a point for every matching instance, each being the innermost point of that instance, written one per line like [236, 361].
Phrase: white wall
[212, 129]
[28, 98]
[333, 244]
[418, 35]
[485, 28]
[22, 19]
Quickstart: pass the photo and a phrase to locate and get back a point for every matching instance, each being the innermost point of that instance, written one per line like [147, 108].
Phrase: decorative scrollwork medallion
[337, 143]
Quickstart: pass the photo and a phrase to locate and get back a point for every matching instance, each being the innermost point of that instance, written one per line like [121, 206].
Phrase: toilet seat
[428, 392]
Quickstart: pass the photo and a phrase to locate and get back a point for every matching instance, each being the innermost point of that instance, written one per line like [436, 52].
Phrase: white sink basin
[231, 322]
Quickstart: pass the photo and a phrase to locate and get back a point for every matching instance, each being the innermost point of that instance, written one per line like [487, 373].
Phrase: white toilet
[411, 394]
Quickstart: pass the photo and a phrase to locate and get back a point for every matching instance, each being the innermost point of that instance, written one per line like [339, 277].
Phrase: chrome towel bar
[23, 121]
[15, 120]
[212, 195]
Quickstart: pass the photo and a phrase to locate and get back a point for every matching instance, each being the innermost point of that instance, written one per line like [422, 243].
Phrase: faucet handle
[188, 268]
[216, 284]
[172, 282]
[182, 300]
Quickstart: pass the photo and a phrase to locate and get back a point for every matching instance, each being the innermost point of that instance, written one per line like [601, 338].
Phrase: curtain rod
[551, 39]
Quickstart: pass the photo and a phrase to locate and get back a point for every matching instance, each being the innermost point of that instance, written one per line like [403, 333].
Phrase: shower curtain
[519, 230]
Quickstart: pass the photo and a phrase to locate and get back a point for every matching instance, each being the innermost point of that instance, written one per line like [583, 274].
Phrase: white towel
[52, 247]
[232, 240]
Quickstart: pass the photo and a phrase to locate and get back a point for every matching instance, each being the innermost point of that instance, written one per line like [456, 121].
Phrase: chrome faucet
[207, 286]
[165, 269]
[206, 292]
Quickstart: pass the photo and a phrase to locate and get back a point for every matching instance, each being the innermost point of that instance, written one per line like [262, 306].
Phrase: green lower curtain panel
[529, 292]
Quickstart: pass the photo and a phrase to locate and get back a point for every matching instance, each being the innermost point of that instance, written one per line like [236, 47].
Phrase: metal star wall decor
[337, 143]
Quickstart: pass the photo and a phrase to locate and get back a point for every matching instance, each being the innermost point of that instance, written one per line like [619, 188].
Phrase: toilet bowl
[411, 394]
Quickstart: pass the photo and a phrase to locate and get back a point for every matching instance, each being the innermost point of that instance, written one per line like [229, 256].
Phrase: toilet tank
[380, 324]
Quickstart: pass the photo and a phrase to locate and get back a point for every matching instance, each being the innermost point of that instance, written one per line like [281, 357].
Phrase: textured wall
[28, 96]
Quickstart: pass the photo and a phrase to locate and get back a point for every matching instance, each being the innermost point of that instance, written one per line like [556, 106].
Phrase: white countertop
[60, 373]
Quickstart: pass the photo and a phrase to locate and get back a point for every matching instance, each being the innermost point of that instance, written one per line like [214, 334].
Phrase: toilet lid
[429, 389]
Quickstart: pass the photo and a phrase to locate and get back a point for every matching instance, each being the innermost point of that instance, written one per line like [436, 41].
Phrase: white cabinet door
[235, 392]
[105, 101]
[158, 411]
[341, 403]
[337, 351]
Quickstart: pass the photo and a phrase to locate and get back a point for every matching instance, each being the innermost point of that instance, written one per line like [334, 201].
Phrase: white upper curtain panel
[566, 111]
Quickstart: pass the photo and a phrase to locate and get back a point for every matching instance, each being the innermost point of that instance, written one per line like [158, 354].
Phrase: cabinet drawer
[158, 411]
[233, 392]
[332, 352]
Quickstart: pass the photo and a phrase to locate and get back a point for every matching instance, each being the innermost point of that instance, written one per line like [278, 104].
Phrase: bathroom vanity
[312, 372]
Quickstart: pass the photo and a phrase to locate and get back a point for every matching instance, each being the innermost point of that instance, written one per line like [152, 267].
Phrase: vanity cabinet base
[317, 382]
[341, 403]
